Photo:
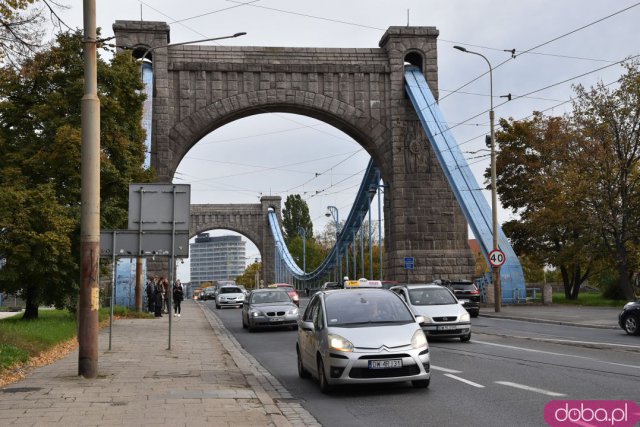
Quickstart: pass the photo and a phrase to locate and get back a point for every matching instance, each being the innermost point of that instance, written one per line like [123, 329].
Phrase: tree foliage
[295, 215]
[40, 139]
[21, 24]
[573, 182]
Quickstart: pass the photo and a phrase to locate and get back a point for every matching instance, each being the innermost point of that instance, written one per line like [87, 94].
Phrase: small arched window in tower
[414, 58]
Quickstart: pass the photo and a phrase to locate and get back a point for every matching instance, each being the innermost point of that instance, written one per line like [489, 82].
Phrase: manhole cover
[21, 389]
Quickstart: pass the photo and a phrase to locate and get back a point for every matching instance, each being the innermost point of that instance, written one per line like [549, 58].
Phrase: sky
[558, 44]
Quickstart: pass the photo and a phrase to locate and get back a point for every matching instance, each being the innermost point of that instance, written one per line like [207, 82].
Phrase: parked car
[229, 296]
[629, 318]
[361, 336]
[467, 292]
[293, 293]
[444, 315]
[266, 308]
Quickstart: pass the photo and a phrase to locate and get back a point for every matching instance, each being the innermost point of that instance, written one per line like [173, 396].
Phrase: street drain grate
[119, 403]
[21, 389]
[286, 400]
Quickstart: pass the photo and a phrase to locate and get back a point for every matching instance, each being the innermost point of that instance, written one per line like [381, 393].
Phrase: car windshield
[270, 297]
[353, 308]
[430, 296]
[230, 290]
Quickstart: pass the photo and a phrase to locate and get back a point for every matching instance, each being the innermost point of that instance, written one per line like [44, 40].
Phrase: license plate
[385, 364]
[276, 319]
[447, 327]
[464, 301]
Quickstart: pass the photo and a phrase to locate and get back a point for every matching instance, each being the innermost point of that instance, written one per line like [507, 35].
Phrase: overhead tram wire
[540, 90]
[540, 45]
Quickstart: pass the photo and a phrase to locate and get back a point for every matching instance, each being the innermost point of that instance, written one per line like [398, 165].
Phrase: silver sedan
[360, 336]
[269, 308]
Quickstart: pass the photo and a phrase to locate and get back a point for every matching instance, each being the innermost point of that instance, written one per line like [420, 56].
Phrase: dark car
[331, 285]
[467, 292]
[268, 308]
[629, 318]
[207, 294]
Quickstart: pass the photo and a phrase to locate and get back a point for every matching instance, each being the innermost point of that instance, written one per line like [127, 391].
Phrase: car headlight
[293, 311]
[465, 317]
[418, 340]
[254, 313]
[336, 342]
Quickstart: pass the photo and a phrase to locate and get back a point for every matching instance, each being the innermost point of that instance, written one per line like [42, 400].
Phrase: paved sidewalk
[593, 317]
[205, 379]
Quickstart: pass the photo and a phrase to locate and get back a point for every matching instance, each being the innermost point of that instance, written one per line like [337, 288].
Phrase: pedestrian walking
[178, 296]
[151, 294]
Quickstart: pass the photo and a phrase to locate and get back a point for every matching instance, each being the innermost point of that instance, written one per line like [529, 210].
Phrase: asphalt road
[505, 376]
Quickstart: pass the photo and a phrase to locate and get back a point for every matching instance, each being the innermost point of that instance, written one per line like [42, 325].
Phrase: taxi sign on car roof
[362, 283]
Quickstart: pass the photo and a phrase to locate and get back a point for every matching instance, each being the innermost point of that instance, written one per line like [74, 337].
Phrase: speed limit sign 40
[496, 258]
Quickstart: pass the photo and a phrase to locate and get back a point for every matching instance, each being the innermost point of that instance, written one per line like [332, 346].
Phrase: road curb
[552, 322]
[276, 400]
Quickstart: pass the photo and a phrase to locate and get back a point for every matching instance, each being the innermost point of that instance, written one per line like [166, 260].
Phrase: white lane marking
[556, 354]
[526, 387]
[464, 381]
[440, 368]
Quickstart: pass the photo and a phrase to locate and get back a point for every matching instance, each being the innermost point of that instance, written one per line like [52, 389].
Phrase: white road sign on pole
[496, 258]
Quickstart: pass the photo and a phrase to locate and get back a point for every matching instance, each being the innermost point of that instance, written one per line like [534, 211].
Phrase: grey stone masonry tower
[423, 219]
[359, 91]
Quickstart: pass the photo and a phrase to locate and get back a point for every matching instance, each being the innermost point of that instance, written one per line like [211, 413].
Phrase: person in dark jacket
[178, 296]
[158, 300]
[151, 294]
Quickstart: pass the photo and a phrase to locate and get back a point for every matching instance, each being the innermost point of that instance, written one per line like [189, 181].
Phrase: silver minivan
[444, 316]
[360, 336]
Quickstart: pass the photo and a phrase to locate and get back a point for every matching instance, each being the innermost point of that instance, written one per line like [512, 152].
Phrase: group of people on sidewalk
[157, 290]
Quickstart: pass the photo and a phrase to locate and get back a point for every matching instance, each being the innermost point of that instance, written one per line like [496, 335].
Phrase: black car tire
[302, 373]
[322, 378]
[475, 314]
[632, 324]
[421, 383]
[218, 306]
[244, 324]
[465, 338]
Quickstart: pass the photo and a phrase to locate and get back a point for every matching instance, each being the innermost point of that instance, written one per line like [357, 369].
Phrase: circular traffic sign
[496, 258]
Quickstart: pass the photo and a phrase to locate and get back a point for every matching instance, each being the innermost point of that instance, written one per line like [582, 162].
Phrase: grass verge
[45, 339]
[588, 299]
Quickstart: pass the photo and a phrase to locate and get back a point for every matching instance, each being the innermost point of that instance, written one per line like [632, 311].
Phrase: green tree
[609, 122]
[40, 139]
[535, 180]
[248, 278]
[295, 215]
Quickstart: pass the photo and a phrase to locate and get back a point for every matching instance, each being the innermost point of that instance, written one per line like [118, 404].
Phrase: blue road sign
[408, 263]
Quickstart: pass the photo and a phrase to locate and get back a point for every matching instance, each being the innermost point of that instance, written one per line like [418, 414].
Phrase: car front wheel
[465, 338]
[302, 373]
[632, 324]
[322, 378]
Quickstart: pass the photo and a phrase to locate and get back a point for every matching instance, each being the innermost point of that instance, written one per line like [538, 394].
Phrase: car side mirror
[420, 319]
[307, 326]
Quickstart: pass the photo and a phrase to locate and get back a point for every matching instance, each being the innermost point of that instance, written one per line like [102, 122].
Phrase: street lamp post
[332, 212]
[146, 52]
[497, 292]
[303, 233]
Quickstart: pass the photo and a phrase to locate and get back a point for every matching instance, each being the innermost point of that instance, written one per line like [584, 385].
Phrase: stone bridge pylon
[197, 89]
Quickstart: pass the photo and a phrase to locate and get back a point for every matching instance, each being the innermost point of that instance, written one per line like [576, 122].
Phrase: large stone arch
[366, 130]
[360, 91]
